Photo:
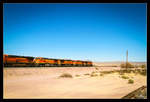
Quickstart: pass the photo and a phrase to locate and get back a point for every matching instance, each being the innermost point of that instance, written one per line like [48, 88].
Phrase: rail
[134, 93]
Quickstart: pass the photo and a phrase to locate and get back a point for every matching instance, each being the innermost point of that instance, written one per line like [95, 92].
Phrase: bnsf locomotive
[26, 61]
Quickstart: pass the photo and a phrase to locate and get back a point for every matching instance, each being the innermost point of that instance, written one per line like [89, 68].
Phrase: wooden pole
[126, 58]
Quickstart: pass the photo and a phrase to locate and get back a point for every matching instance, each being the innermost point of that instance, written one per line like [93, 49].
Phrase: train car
[89, 63]
[78, 63]
[66, 63]
[84, 63]
[73, 62]
[47, 62]
[15, 61]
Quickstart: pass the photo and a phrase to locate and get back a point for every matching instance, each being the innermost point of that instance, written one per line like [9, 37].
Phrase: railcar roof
[20, 56]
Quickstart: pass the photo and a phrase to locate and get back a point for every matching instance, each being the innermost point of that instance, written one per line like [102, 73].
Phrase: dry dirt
[116, 63]
[45, 83]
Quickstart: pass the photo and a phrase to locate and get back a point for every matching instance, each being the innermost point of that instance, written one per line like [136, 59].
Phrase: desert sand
[34, 83]
[116, 63]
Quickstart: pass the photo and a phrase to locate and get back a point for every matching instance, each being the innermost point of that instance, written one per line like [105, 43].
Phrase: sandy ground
[116, 63]
[44, 83]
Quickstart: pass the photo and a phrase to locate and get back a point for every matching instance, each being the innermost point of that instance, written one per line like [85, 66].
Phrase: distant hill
[116, 63]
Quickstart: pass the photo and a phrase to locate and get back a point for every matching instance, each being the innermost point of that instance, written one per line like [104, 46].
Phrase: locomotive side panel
[39, 61]
[11, 60]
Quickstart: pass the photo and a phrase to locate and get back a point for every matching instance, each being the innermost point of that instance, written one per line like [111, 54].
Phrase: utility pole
[126, 58]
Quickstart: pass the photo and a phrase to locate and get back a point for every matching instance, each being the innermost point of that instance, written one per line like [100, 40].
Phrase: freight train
[26, 61]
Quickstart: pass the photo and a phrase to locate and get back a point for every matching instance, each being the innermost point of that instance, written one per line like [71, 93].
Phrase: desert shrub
[143, 66]
[125, 77]
[77, 75]
[96, 68]
[94, 75]
[66, 75]
[130, 81]
[106, 72]
[143, 72]
[112, 71]
[93, 72]
[128, 65]
[113, 66]
[101, 74]
[118, 71]
[139, 71]
[123, 65]
[87, 74]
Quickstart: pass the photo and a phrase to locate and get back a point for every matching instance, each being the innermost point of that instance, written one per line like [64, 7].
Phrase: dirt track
[44, 83]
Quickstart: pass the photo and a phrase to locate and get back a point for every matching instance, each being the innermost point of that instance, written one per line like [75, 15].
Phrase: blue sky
[96, 32]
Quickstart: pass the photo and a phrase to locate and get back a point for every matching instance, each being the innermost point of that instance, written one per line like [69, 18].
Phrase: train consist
[26, 61]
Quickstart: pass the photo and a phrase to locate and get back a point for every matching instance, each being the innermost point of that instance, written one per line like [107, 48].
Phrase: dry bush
[93, 72]
[77, 75]
[106, 72]
[96, 68]
[123, 65]
[101, 74]
[143, 72]
[127, 65]
[66, 75]
[143, 66]
[130, 81]
[118, 71]
[87, 74]
[125, 77]
[113, 66]
[94, 75]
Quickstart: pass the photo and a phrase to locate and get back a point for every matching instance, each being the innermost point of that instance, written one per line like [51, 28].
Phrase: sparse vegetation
[101, 74]
[94, 75]
[106, 72]
[130, 81]
[114, 66]
[125, 77]
[127, 65]
[77, 75]
[93, 72]
[96, 68]
[143, 66]
[87, 74]
[66, 75]
[143, 72]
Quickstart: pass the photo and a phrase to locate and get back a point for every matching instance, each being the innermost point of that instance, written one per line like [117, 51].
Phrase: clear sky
[96, 32]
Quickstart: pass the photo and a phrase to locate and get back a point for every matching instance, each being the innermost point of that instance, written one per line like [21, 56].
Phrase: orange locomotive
[25, 61]
[12, 60]
[39, 61]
